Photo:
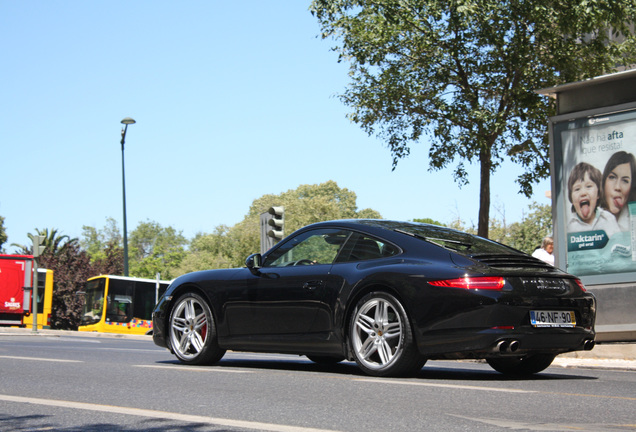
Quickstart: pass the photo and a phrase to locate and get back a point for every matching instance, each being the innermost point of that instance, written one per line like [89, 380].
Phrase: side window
[144, 300]
[366, 248]
[119, 301]
[310, 248]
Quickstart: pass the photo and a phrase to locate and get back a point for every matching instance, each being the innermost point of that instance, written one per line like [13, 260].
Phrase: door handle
[312, 285]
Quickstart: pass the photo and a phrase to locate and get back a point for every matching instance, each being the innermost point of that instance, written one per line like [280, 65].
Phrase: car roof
[449, 238]
[387, 224]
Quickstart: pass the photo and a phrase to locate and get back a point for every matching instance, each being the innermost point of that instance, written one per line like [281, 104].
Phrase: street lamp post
[127, 121]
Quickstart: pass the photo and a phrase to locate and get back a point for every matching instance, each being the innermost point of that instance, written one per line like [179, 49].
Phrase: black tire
[192, 331]
[381, 338]
[325, 360]
[521, 366]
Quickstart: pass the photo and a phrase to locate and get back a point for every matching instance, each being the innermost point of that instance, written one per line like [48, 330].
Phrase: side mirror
[253, 262]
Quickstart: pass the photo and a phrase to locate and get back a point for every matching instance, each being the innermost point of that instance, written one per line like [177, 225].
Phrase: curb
[14, 331]
[609, 364]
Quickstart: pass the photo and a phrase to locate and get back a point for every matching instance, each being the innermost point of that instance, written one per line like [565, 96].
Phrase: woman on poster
[617, 187]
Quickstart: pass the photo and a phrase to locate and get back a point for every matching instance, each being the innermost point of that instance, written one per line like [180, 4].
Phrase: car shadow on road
[438, 370]
[462, 371]
[52, 422]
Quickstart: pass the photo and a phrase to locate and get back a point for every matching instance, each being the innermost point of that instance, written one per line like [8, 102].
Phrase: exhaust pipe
[589, 344]
[507, 347]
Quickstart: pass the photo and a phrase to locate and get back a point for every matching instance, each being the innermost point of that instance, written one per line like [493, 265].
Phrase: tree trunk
[485, 163]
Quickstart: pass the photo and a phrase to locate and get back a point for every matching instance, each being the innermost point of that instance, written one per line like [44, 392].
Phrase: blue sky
[233, 100]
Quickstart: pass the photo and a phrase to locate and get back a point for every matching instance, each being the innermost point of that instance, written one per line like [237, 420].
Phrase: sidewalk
[618, 356]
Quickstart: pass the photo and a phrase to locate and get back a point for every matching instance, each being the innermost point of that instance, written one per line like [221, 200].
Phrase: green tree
[429, 221]
[154, 249]
[3, 234]
[229, 246]
[53, 242]
[207, 251]
[71, 269]
[499, 229]
[527, 234]
[110, 261]
[463, 73]
[308, 204]
[95, 241]
[104, 247]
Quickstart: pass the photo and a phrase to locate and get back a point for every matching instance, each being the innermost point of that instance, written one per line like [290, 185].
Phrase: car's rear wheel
[521, 366]
[381, 338]
[192, 331]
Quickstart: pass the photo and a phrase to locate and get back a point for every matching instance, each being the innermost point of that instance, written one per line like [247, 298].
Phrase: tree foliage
[462, 73]
[229, 246]
[428, 221]
[527, 234]
[308, 204]
[71, 268]
[109, 262]
[97, 241]
[3, 234]
[207, 251]
[54, 242]
[524, 235]
[155, 249]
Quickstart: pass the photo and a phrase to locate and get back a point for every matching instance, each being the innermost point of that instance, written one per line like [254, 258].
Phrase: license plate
[552, 318]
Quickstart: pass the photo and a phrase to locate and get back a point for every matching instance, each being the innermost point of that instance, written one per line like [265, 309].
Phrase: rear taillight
[485, 283]
[580, 284]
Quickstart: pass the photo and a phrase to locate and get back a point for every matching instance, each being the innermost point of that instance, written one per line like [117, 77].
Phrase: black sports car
[387, 294]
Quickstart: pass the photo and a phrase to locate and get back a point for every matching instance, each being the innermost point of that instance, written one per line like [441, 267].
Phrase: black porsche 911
[387, 294]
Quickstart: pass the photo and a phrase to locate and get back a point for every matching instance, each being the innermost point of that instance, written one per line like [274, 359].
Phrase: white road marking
[74, 339]
[529, 426]
[194, 368]
[132, 349]
[161, 414]
[42, 359]
[450, 386]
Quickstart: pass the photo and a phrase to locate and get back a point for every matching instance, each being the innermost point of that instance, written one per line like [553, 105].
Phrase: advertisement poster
[599, 168]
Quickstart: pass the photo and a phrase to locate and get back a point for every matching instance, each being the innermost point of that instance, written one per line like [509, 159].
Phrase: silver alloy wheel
[377, 334]
[189, 328]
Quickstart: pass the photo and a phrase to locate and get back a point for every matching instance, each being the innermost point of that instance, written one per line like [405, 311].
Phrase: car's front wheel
[381, 338]
[192, 331]
[521, 366]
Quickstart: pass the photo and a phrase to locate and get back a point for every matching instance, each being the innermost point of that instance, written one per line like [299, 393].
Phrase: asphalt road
[112, 384]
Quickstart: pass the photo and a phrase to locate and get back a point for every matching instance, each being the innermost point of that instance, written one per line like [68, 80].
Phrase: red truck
[16, 273]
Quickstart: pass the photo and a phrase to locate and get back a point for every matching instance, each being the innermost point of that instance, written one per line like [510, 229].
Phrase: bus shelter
[593, 169]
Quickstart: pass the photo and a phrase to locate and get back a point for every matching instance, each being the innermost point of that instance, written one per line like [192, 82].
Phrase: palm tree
[53, 242]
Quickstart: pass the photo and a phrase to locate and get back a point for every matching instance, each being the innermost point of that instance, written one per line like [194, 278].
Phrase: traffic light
[277, 223]
[38, 246]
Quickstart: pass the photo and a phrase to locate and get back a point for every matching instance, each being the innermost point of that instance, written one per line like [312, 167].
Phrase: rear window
[456, 241]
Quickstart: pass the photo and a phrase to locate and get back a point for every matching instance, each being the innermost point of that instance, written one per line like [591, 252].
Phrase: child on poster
[584, 187]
